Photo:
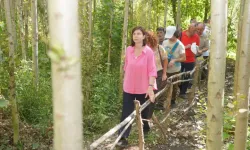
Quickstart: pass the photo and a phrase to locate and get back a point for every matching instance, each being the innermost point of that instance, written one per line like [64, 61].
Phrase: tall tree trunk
[90, 24]
[178, 17]
[66, 76]
[216, 80]
[174, 9]
[21, 24]
[124, 43]
[238, 45]
[206, 9]
[12, 96]
[242, 82]
[26, 24]
[110, 34]
[165, 13]
[149, 13]
[13, 20]
[35, 40]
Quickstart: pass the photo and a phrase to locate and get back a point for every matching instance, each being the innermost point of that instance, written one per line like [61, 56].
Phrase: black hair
[143, 32]
[177, 33]
[161, 29]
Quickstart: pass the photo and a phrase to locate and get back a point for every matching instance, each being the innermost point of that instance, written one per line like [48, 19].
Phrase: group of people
[151, 59]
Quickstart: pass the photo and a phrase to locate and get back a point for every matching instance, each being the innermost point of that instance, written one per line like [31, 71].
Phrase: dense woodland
[95, 36]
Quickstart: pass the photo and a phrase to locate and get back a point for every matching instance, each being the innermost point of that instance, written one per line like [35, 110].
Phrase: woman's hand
[164, 76]
[150, 94]
[171, 63]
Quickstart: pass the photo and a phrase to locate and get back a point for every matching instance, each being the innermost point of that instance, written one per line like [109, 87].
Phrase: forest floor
[186, 134]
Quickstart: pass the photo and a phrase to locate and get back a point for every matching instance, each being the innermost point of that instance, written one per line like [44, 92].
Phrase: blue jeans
[184, 68]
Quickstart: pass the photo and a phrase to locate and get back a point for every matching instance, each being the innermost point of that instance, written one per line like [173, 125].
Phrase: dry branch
[119, 137]
[139, 125]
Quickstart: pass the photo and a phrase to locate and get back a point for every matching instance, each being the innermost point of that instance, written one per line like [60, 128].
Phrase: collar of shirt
[144, 50]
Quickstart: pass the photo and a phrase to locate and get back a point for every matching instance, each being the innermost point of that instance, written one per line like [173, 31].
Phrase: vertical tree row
[216, 79]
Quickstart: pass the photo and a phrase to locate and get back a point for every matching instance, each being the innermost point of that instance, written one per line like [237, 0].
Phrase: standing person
[139, 79]
[161, 34]
[188, 38]
[204, 46]
[176, 55]
[204, 42]
[161, 63]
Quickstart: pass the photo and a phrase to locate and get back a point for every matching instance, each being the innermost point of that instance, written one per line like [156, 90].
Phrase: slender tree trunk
[242, 82]
[21, 24]
[66, 76]
[165, 13]
[124, 43]
[26, 24]
[35, 40]
[13, 20]
[206, 9]
[90, 24]
[238, 45]
[174, 9]
[110, 34]
[216, 80]
[178, 17]
[149, 14]
[12, 96]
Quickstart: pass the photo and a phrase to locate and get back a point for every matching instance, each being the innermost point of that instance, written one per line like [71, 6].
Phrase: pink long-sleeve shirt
[138, 70]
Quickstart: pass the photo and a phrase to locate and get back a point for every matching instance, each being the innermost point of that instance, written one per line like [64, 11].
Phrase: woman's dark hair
[143, 32]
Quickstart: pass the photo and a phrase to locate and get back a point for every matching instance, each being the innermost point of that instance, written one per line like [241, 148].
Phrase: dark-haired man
[160, 33]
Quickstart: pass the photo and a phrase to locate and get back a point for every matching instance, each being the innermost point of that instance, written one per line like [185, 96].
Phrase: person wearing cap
[160, 33]
[176, 55]
[189, 38]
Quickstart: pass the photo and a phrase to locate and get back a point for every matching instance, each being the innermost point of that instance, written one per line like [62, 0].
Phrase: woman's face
[138, 36]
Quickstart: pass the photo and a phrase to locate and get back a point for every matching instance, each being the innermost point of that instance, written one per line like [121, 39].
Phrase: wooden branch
[196, 77]
[156, 121]
[112, 131]
[167, 103]
[180, 81]
[139, 124]
[119, 137]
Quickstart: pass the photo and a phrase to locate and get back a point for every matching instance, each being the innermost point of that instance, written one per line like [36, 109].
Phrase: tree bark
[110, 35]
[90, 24]
[165, 13]
[174, 10]
[21, 24]
[26, 24]
[149, 14]
[238, 44]
[178, 17]
[216, 80]
[242, 82]
[66, 74]
[206, 9]
[12, 90]
[35, 41]
[124, 44]
[139, 124]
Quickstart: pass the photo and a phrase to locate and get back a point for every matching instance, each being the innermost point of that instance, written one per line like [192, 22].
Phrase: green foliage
[104, 102]
[35, 106]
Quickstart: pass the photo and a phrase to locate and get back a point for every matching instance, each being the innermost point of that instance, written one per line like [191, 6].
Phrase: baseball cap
[170, 30]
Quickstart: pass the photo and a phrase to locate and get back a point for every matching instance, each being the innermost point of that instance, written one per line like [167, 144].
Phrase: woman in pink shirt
[139, 79]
